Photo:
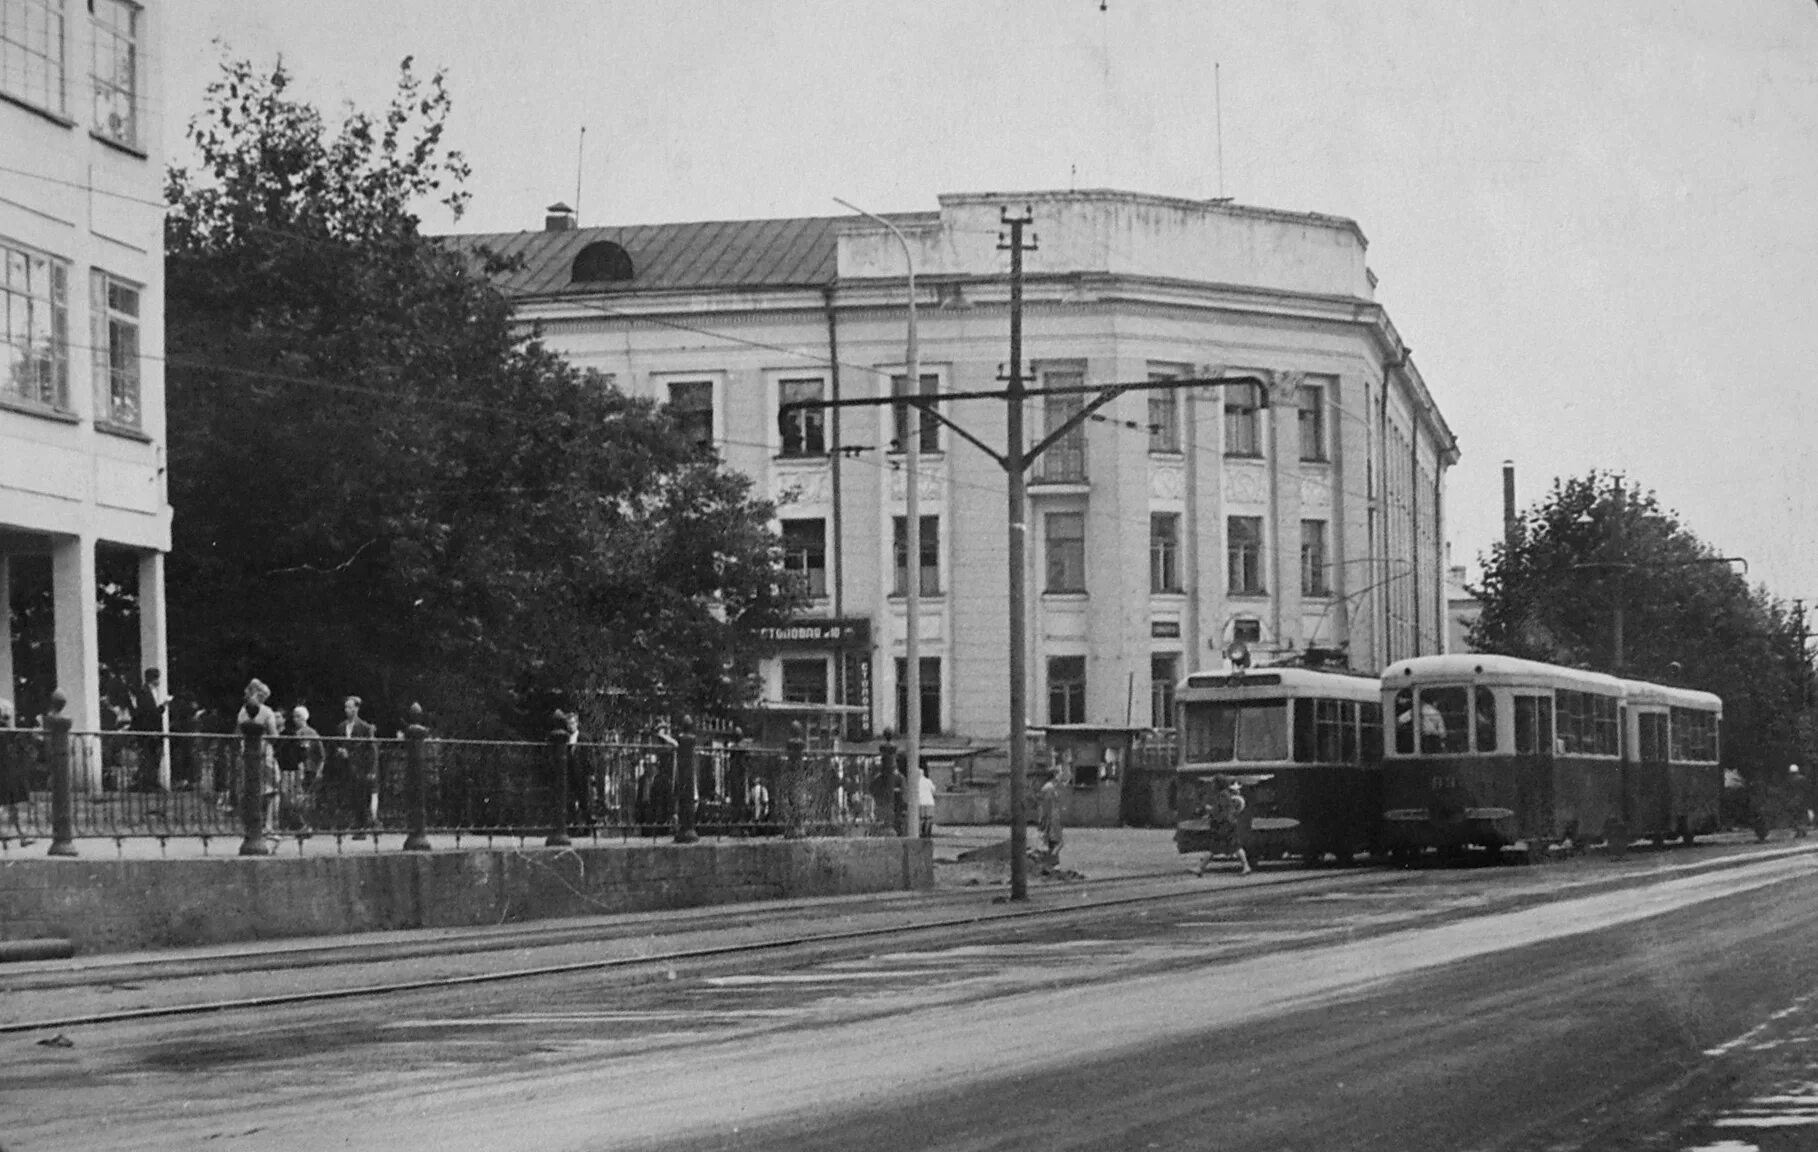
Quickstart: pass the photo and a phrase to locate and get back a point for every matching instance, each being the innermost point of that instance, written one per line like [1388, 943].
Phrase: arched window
[602, 260]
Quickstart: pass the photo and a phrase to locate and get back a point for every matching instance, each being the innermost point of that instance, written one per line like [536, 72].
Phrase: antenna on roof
[1218, 119]
[580, 160]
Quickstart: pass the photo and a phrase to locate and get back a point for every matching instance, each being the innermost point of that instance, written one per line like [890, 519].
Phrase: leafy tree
[1598, 575]
[382, 487]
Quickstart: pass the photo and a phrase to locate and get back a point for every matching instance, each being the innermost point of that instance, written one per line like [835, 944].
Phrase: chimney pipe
[1508, 499]
[558, 217]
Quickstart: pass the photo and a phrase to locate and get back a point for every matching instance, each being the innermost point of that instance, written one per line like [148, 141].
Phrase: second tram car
[1492, 751]
[1306, 744]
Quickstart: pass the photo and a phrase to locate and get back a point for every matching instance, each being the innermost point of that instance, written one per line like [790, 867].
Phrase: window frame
[1244, 557]
[118, 389]
[798, 663]
[930, 566]
[1311, 423]
[930, 691]
[1243, 408]
[1165, 553]
[802, 433]
[103, 36]
[899, 415]
[1064, 461]
[1315, 568]
[1064, 556]
[1162, 690]
[811, 567]
[689, 417]
[52, 395]
[1164, 415]
[52, 96]
[1066, 692]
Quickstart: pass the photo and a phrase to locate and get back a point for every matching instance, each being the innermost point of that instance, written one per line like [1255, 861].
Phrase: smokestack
[1508, 499]
[559, 218]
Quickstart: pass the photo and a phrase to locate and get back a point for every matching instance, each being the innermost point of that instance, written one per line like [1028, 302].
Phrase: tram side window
[1306, 741]
[1694, 735]
[1347, 731]
[1587, 724]
[1653, 727]
[1485, 718]
[1445, 720]
[1533, 725]
[1369, 723]
[1219, 733]
[1404, 721]
[1319, 731]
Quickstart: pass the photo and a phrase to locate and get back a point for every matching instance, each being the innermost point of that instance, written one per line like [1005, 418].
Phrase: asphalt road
[1487, 1009]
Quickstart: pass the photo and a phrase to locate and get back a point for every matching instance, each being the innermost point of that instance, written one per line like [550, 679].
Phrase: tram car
[1305, 744]
[1671, 780]
[1492, 751]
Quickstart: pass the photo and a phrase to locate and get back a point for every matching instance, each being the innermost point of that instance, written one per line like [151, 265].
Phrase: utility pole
[1018, 539]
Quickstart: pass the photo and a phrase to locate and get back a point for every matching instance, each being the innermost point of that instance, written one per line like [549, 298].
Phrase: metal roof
[719, 254]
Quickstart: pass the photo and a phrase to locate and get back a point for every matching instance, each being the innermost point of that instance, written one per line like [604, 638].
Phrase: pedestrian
[1798, 801]
[303, 781]
[925, 800]
[579, 768]
[1224, 824]
[16, 749]
[353, 767]
[146, 709]
[1050, 819]
[260, 723]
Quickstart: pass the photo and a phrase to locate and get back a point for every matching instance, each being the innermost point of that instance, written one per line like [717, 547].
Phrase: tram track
[1114, 895]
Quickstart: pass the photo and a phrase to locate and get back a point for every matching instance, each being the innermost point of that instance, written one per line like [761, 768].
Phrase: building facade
[82, 457]
[1302, 513]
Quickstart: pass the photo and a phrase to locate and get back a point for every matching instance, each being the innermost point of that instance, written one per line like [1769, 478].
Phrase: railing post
[796, 784]
[416, 787]
[558, 787]
[252, 790]
[63, 803]
[688, 781]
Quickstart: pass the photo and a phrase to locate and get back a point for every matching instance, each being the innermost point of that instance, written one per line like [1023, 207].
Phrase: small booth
[1093, 760]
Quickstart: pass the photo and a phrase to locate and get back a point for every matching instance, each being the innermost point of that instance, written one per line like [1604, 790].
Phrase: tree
[1598, 575]
[381, 487]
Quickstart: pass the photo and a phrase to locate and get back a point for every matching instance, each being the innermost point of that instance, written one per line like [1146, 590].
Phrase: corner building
[1305, 514]
[82, 462]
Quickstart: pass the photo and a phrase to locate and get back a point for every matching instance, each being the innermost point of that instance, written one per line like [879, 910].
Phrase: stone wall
[124, 905]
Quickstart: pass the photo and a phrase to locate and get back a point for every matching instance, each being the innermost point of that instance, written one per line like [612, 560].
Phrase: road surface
[1545, 1008]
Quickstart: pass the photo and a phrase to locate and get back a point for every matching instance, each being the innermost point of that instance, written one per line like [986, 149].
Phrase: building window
[1312, 422]
[930, 427]
[1064, 461]
[1066, 689]
[805, 681]
[805, 554]
[115, 70]
[1164, 552]
[1164, 416]
[1243, 555]
[31, 53]
[931, 694]
[931, 556]
[691, 402]
[1246, 630]
[1243, 420]
[1164, 674]
[1064, 533]
[34, 322]
[804, 429]
[1314, 570]
[114, 323]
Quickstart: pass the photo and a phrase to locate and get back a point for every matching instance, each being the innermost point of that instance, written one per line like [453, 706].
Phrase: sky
[1595, 224]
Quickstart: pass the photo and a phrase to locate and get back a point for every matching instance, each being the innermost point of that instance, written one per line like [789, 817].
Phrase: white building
[1307, 515]
[82, 319]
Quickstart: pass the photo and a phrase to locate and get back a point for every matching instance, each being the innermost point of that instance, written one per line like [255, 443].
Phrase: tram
[1494, 751]
[1306, 744]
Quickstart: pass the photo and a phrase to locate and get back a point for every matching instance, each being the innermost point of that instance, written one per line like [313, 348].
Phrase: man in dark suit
[352, 769]
[146, 704]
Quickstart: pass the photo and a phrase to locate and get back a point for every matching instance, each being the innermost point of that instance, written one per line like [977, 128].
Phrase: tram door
[1649, 795]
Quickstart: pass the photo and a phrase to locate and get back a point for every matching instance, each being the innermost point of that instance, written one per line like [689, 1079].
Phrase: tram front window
[1255, 730]
[1445, 720]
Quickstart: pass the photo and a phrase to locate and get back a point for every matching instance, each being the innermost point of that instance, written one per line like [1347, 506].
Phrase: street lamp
[912, 547]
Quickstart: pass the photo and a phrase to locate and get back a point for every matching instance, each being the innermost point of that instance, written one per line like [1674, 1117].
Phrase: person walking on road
[1050, 819]
[1224, 824]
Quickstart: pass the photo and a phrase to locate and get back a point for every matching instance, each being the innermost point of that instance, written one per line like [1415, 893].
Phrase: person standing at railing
[255, 715]
[303, 778]
[16, 749]
[353, 767]
[146, 706]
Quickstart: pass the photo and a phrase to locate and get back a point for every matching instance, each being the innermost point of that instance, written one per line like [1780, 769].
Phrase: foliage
[381, 487]
[1597, 549]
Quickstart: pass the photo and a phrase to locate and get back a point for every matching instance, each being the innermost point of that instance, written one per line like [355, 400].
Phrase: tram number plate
[1444, 783]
